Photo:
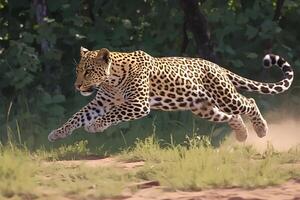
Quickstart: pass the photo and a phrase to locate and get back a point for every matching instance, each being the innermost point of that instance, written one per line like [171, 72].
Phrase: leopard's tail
[266, 88]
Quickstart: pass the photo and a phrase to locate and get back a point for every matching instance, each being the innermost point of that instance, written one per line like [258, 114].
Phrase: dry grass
[198, 165]
[192, 166]
[31, 175]
[80, 182]
[16, 172]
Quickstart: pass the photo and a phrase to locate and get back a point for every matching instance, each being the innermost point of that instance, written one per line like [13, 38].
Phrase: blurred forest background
[40, 42]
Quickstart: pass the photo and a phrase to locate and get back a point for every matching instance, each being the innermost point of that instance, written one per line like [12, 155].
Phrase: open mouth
[87, 92]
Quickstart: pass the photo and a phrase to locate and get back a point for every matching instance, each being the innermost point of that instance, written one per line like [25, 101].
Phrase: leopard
[130, 84]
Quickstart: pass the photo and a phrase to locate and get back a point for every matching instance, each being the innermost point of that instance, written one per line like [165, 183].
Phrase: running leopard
[128, 85]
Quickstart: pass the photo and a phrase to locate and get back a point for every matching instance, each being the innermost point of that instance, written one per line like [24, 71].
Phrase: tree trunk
[196, 22]
[277, 14]
[276, 18]
[40, 7]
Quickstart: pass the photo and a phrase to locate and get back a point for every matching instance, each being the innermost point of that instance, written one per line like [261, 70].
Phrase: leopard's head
[92, 70]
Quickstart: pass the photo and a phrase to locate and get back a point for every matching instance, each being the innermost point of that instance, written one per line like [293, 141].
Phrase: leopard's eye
[87, 71]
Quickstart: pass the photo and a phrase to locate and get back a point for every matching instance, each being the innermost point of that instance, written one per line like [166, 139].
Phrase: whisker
[75, 62]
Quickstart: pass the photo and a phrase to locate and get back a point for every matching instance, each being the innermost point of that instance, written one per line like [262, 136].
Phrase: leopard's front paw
[57, 134]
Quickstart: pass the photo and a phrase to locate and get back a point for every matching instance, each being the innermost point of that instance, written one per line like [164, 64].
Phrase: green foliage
[38, 59]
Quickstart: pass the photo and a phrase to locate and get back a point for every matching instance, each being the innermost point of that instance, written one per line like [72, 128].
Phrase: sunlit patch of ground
[286, 191]
[144, 190]
[194, 170]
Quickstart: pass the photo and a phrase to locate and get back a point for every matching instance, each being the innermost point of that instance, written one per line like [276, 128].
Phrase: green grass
[16, 172]
[29, 175]
[78, 150]
[193, 165]
[82, 182]
[198, 165]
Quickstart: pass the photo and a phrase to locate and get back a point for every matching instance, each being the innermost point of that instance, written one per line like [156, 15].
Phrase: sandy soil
[283, 135]
[287, 191]
[105, 162]
[152, 190]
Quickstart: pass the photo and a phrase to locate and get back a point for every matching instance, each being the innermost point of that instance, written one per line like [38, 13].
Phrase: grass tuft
[78, 150]
[16, 171]
[197, 165]
[30, 175]
[82, 181]
[193, 165]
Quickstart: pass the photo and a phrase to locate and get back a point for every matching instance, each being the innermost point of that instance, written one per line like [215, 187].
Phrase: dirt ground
[283, 135]
[287, 191]
[152, 190]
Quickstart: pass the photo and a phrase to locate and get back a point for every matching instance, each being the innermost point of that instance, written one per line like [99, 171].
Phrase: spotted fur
[130, 84]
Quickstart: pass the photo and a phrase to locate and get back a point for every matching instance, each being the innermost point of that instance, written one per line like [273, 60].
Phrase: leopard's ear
[104, 55]
[83, 51]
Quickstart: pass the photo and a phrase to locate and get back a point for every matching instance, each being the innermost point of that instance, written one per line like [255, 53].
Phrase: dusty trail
[282, 135]
[286, 191]
[152, 190]
[105, 162]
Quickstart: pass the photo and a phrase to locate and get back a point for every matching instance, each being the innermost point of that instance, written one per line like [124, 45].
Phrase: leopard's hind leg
[212, 113]
[241, 105]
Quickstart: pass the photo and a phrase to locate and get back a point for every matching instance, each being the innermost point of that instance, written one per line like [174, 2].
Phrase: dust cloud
[283, 134]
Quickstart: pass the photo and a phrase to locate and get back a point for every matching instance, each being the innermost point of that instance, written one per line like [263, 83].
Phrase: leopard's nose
[77, 86]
